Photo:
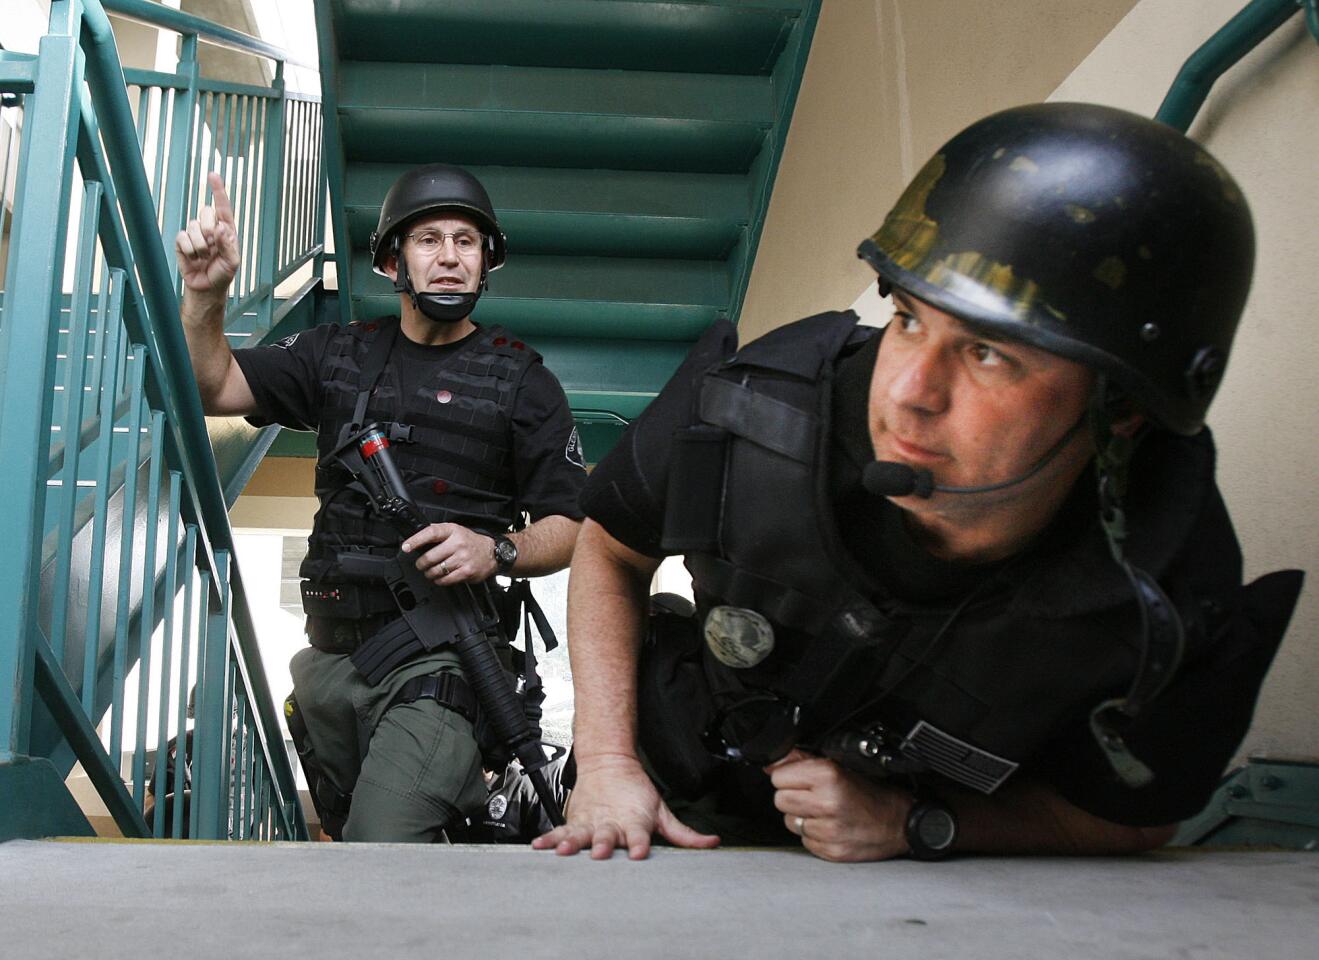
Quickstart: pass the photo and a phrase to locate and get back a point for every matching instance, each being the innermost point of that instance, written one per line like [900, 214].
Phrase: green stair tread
[589, 278]
[544, 90]
[471, 138]
[589, 296]
[489, 115]
[731, 36]
[587, 212]
[584, 318]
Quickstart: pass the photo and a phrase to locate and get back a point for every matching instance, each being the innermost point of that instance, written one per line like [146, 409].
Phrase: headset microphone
[886, 478]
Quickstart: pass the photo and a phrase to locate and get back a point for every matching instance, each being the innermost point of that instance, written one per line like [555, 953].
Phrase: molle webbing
[455, 448]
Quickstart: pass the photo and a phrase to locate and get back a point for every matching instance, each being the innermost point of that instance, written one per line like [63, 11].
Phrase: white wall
[1262, 122]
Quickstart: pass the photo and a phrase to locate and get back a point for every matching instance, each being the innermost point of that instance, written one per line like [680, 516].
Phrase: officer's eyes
[988, 356]
[431, 242]
[906, 322]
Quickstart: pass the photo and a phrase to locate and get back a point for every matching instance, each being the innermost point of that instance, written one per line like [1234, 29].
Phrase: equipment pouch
[674, 705]
[394, 643]
[694, 499]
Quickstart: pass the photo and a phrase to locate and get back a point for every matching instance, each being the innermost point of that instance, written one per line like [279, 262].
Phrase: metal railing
[122, 613]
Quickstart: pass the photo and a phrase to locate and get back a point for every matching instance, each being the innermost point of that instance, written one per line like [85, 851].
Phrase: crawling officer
[965, 584]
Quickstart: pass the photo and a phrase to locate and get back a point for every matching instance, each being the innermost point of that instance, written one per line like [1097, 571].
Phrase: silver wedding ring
[801, 827]
[444, 569]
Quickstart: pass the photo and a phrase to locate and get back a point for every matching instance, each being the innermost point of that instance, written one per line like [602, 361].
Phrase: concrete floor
[133, 899]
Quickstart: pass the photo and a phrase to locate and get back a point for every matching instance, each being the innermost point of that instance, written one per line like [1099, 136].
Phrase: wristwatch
[931, 830]
[506, 554]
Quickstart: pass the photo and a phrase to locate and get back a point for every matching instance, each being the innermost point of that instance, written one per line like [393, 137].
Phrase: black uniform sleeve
[285, 378]
[1189, 734]
[548, 452]
[625, 493]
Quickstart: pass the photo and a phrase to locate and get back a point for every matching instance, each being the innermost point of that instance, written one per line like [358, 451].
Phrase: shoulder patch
[573, 451]
[288, 341]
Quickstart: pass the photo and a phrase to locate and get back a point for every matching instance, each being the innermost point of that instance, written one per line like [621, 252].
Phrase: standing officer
[482, 434]
[963, 585]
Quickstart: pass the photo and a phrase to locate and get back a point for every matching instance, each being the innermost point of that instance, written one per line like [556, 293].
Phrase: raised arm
[208, 255]
[614, 804]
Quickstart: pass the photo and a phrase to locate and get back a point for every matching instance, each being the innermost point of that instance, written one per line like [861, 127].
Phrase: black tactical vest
[977, 685]
[452, 442]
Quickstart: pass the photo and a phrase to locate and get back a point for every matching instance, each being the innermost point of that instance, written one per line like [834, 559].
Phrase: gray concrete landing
[130, 900]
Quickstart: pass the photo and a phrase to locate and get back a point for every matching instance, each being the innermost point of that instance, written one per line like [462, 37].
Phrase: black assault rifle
[463, 616]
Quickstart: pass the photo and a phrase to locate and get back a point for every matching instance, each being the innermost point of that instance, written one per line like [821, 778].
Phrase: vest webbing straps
[742, 588]
[773, 424]
[373, 366]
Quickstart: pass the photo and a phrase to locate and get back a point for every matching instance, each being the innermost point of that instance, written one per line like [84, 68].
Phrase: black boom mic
[886, 478]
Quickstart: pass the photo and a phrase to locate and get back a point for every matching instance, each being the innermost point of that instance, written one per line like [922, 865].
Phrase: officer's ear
[1129, 425]
[1125, 418]
[390, 265]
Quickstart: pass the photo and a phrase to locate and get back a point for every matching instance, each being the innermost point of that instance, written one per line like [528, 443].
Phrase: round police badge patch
[497, 806]
[738, 637]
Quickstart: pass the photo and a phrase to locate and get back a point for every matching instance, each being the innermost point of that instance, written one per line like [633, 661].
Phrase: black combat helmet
[437, 188]
[1090, 232]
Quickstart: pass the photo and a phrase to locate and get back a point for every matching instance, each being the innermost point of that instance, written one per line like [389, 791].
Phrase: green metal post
[210, 768]
[147, 618]
[37, 253]
[175, 185]
[272, 185]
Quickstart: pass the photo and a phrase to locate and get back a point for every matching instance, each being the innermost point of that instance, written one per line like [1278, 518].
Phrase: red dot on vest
[500, 341]
[370, 328]
[440, 486]
[519, 345]
[444, 396]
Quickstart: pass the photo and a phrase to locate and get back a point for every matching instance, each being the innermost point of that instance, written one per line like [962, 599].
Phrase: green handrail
[1233, 41]
[159, 15]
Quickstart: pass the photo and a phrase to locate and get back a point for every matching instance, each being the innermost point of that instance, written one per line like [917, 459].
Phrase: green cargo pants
[411, 768]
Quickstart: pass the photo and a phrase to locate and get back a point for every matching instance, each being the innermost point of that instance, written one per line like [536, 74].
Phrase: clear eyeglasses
[429, 242]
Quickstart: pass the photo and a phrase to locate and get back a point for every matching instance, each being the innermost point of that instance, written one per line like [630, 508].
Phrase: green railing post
[210, 771]
[272, 186]
[175, 184]
[26, 400]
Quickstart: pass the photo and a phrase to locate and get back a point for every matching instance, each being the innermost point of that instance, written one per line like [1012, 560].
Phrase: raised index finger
[224, 210]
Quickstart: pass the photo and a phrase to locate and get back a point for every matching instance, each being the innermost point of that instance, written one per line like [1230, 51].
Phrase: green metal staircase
[629, 147]
[121, 605]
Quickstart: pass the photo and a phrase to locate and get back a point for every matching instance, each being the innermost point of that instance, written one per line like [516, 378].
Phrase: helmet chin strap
[1163, 637]
[437, 307]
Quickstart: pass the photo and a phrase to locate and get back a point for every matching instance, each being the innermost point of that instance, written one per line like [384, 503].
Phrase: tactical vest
[976, 686]
[451, 439]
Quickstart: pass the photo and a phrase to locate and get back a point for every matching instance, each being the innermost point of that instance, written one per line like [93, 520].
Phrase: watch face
[936, 828]
[506, 553]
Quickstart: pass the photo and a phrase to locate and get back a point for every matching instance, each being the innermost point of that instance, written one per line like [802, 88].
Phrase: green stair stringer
[1272, 803]
[629, 146]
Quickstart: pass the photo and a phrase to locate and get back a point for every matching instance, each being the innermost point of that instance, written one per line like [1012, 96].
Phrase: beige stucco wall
[1262, 122]
[886, 83]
